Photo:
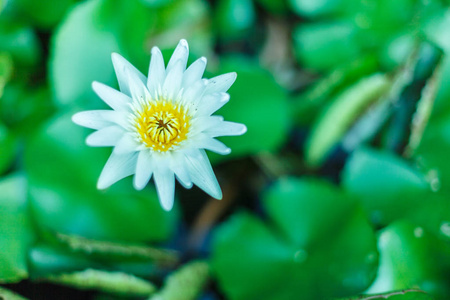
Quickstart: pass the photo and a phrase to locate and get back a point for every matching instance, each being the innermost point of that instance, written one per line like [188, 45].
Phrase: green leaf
[26, 115]
[314, 233]
[248, 259]
[82, 47]
[258, 102]
[340, 115]
[7, 148]
[387, 185]
[442, 106]
[45, 260]
[188, 19]
[157, 3]
[16, 233]
[7, 294]
[411, 257]
[396, 50]
[326, 45]
[20, 42]
[122, 251]
[307, 105]
[109, 282]
[314, 8]
[81, 53]
[233, 17]
[49, 258]
[43, 14]
[433, 151]
[412, 294]
[186, 283]
[428, 69]
[63, 172]
[436, 27]
[6, 69]
[274, 6]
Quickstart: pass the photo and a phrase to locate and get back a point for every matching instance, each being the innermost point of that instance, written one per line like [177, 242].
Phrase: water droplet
[435, 184]
[371, 257]
[433, 179]
[445, 228]
[418, 232]
[300, 256]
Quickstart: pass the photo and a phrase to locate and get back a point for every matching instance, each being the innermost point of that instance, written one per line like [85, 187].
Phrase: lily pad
[388, 186]
[311, 224]
[412, 257]
[81, 53]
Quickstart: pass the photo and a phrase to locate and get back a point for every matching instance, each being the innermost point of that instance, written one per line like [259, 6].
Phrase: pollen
[161, 125]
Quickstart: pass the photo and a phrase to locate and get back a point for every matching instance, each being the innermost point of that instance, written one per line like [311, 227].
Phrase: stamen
[160, 124]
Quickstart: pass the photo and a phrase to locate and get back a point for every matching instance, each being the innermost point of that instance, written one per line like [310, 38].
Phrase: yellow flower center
[161, 125]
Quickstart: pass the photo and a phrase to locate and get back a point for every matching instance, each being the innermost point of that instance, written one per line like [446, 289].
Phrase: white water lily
[162, 125]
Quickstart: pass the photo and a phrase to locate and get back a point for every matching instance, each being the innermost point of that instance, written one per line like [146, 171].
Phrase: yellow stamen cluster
[161, 125]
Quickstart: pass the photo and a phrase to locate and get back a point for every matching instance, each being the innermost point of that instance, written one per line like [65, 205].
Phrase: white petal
[117, 167]
[107, 136]
[95, 119]
[177, 165]
[165, 185]
[156, 71]
[226, 129]
[193, 94]
[206, 142]
[144, 170]
[220, 83]
[181, 53]
[138, 89]
[120, 64]
[172, 83]
[115, 99]
[194, 72]
[212, 102]
[203, 123]
[201, 172]
[126, 144]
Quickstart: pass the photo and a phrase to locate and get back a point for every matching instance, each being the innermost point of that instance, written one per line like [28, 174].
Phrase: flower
[162, 125]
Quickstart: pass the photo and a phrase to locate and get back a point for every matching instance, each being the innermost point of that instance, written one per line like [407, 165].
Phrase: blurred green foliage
[340, 187]
[253, 260]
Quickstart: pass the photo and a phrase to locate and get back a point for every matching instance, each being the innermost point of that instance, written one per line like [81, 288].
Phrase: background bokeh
[340, 187]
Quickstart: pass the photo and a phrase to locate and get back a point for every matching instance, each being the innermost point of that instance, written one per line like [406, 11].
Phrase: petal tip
[74, 117]
[101, 185]
[244, 129]
[115, 56]
[77, 119]
[96, 86]
[137, 186]
[166, 205]
[184, 43]
[155, 50]
[225, 98]
[217, 194]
